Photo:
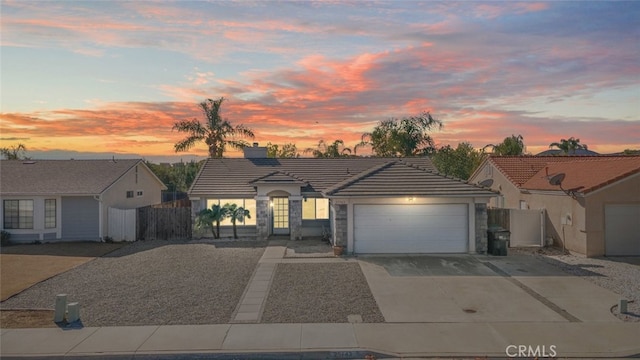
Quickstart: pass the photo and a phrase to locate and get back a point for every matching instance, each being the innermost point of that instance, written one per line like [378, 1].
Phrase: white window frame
[4, 212]
[315, 209]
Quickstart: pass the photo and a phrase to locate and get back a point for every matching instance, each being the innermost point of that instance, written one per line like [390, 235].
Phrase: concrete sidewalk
[604, 340]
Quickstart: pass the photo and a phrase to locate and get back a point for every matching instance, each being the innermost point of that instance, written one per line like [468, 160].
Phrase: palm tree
[236, 213]
[336, 149]
[569, 147]
[404, 137]
[512, 145]
[214, 132]
[207, 217]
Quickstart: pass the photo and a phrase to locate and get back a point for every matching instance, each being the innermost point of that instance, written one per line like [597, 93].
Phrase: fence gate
[526, 226]
[122, 224]
[165, 223]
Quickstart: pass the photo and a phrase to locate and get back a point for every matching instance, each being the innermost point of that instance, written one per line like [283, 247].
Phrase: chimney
[255, 152]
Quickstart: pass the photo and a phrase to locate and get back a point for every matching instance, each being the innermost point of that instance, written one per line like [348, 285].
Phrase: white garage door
[622, 229]
[411, 228]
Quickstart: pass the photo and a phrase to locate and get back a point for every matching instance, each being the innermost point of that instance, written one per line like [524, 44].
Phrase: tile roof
[399, 179]
[234, 177]
[61, 177]
[519, 169]
[585, 175]
[277, 177]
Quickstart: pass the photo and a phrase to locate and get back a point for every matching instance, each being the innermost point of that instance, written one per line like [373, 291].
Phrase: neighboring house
[368, 205]
[595, 210]
[68, 200]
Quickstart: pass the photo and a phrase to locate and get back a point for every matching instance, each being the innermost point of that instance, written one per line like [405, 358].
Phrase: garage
[433, 228]
[622, 229]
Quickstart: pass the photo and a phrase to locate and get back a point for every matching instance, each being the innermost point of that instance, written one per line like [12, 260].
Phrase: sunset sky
[94, 78]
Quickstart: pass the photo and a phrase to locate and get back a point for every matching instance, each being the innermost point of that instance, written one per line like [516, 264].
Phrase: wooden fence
[498, 218]
[164, 222]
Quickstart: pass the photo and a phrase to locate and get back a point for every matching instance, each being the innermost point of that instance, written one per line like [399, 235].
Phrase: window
[315, 209]
[18, 214]
[139, 193]
[247, 204]
[50, 213]
[129, 194]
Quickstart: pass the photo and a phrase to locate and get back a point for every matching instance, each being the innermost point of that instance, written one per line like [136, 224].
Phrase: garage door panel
[411, 228]
[622, 229]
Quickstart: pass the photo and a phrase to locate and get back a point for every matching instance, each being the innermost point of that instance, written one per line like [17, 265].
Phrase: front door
[280, 215]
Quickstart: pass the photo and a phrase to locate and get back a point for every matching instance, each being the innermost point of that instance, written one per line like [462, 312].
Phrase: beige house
[367, 205]
[592, 204]
[69, 200]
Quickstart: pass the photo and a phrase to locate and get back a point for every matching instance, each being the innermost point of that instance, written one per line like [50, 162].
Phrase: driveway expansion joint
[560, 311]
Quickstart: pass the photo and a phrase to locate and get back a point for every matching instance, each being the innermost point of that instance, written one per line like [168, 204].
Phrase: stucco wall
[509, 193]
[116, 196]
[39, 232]
[565, 219]
[626, 191]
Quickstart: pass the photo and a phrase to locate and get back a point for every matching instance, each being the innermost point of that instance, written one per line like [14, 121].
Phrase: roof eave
[388, 196]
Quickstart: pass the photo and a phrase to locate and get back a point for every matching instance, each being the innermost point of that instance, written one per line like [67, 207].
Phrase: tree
[207, 217]
[215, 132]
[512, 145]
[178, 176]
[568, 147]
[406, 137]
[333, 150]
[460, 162]
[631, 152]
[236, 213]
[288, 150]
[16, 152]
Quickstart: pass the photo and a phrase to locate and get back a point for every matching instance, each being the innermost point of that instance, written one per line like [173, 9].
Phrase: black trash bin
[498, 241]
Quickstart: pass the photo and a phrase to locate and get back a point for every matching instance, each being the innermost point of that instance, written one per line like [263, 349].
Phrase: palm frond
[186, 143]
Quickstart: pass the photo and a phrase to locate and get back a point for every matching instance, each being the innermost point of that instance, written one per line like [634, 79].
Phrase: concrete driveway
[476, 288]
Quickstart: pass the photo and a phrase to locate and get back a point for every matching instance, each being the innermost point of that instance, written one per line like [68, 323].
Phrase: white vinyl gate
[527, 227]
[122, 224]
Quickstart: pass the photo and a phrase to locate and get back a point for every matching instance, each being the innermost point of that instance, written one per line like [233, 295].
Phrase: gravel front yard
[319, 293]
[612, 274]
[153, 283]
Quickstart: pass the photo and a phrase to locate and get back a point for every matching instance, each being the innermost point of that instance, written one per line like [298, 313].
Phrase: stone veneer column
[295, 217]
[340, 225]
[481, 228]
[262, 218]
